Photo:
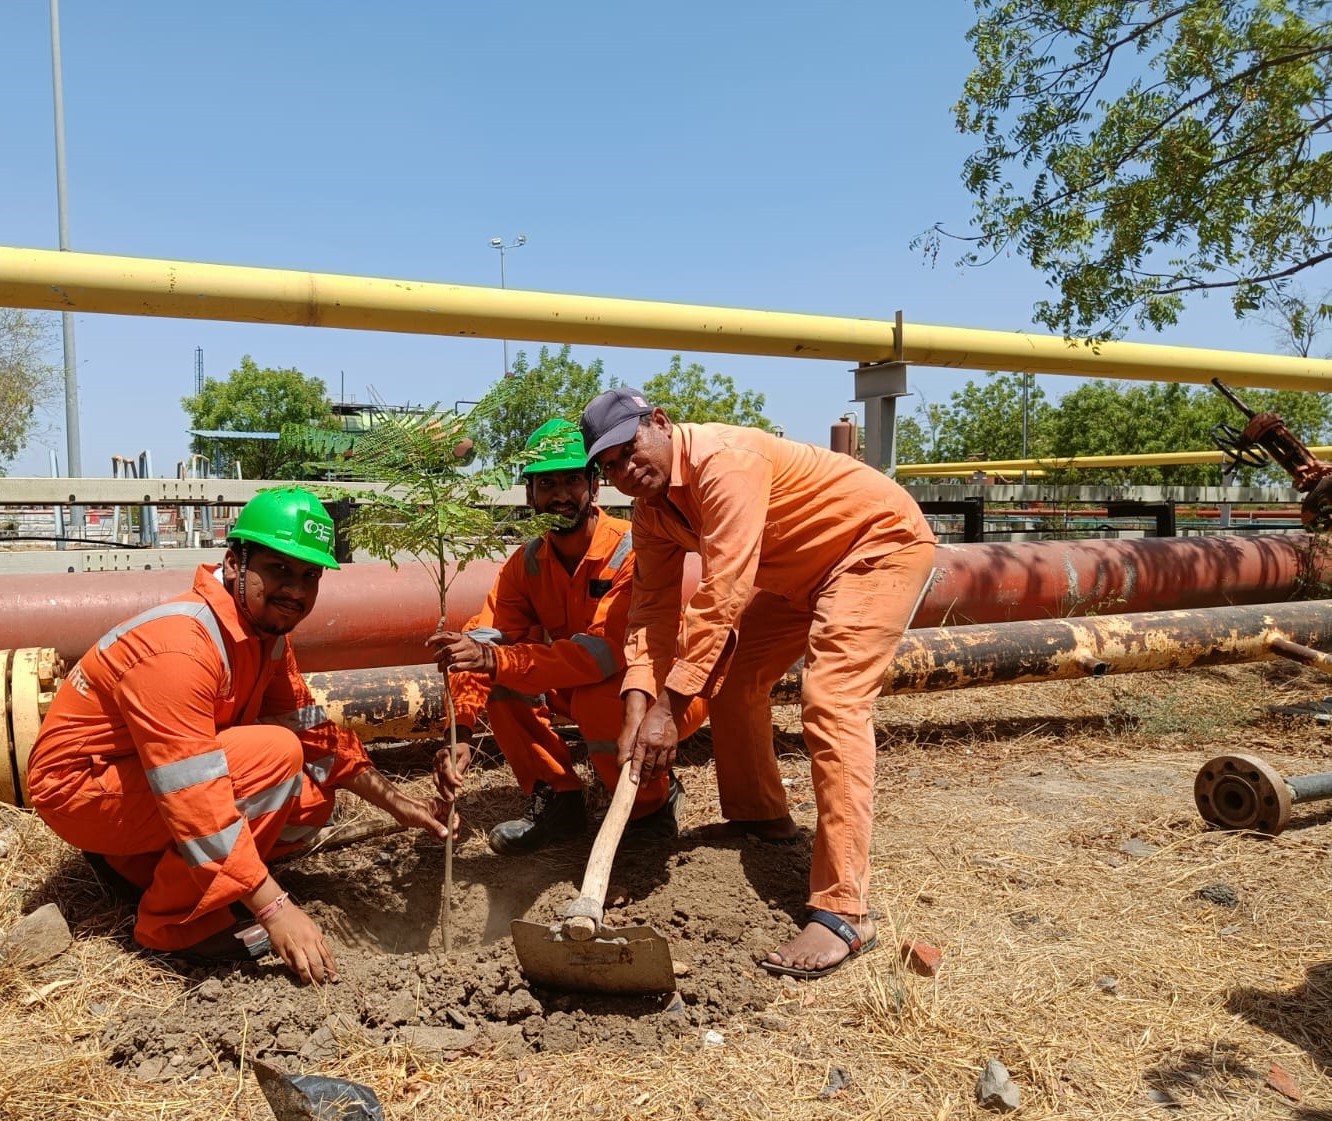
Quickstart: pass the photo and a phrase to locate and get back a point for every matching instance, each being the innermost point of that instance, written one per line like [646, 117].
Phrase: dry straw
[1042, 836]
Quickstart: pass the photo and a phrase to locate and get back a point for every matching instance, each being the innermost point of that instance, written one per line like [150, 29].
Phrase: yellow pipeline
[55, 281]
[1012, 466]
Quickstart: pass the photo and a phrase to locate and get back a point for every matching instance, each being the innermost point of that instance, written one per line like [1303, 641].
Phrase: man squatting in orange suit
[805, 552]
[184, 751]
[550, 641]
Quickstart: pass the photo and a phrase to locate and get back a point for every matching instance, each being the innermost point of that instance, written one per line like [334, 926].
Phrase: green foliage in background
[1137, 152]
[27, 380]
[688, 394]
[256, 399]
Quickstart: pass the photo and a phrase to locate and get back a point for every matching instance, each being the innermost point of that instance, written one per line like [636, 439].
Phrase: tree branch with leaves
[1137, 152]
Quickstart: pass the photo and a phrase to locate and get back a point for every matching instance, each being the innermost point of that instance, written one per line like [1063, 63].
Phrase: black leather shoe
[664, 821]
[227, 946]
[551, 817]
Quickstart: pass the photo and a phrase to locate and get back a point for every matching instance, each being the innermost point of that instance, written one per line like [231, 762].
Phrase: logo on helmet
[318, 530]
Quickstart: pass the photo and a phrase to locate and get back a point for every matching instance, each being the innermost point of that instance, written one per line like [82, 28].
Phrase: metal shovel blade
[636, 960]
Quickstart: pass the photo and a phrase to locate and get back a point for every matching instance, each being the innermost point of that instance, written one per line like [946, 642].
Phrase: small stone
[771, 1021]
[1135, 846]
[676, 1007]
[1223, 895]
[401, 1009]
[995, 1088]
[837, 1081]
[713, 1038]
[1283, 1082]
[521, 1005]
[1108, 984]
[151, 1069]
[37, 938]
[1228, 931]
[210, 990]
[439, 1043]
[1163, 1098]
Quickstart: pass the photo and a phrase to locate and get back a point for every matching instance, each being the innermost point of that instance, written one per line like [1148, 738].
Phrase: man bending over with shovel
[184, 751]
[550, 641]
[805, 553]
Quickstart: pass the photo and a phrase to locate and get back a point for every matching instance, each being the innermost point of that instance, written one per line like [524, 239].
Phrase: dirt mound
[380, 906]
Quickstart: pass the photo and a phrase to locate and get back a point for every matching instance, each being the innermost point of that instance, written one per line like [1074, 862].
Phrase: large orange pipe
[369, 615]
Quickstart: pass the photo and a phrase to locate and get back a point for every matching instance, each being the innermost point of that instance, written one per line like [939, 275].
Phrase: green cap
[558, 446]
[290, 520]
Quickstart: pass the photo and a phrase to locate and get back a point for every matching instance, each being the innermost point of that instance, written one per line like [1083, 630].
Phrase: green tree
[27, 380]
[910, 441]
[985, 420]
[515, 407]
[1136, 151]
[255, 399]
[688, 394]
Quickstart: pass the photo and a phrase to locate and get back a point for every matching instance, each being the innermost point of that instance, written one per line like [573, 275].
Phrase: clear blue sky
[777, 156]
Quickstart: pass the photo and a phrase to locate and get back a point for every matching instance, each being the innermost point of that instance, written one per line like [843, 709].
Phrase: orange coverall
[805, 552]
[559, 648]
[187, 749]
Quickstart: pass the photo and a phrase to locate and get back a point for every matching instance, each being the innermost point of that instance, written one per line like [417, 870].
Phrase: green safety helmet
[558, 446]
[289, 520]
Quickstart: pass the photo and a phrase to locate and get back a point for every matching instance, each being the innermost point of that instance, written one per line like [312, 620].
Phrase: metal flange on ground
[1242, 792]
[28, 680]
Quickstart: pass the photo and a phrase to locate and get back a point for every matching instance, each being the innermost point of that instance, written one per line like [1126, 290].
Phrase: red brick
[1283, 1082]
[922, 958]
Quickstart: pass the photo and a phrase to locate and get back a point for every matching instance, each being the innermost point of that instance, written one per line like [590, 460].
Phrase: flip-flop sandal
[840, 927]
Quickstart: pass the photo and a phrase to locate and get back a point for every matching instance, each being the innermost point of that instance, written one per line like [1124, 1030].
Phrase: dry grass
[1043, 837]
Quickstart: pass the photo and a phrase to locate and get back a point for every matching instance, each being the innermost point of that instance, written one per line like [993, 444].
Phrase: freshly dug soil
[722, 906]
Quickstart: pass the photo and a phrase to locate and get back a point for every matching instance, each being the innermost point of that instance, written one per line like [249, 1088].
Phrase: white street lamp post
[498, 243]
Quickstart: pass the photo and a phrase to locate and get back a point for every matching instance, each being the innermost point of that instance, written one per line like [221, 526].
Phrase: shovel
[581, 954]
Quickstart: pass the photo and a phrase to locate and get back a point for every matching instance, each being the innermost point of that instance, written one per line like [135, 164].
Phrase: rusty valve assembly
[1266, 435]
[1245, 792]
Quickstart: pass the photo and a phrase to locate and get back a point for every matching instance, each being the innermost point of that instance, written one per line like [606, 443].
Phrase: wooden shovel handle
[583, 919]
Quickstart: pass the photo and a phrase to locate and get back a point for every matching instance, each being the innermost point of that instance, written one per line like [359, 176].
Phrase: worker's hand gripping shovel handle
[583, 919]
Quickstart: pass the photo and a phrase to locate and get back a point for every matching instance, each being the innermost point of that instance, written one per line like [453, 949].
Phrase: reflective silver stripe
[294, 834]
[279, 648]
[530, 561]
[600, 649]
[215, 847]
[170, 777]
[301, 720]
[504, 693]
[489, 635]
[200, 611]
[621, 551]
[601, 747]
[320, 769]
[274, 798]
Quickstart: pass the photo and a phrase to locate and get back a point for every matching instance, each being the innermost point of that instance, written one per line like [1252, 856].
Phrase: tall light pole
[498, 243]
[73, 455]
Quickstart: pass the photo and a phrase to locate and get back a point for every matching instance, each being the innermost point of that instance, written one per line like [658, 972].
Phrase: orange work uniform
[187, 749]
[559, 649]
[805, 552]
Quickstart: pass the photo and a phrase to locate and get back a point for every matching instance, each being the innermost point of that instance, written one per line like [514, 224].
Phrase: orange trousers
[847, 635]
[108, 808]
[537, 753]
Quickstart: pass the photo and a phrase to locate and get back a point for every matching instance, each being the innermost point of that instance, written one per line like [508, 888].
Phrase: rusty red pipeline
[371, 615]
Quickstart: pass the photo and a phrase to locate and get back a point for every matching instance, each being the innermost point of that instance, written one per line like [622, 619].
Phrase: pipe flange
[1242, 792]
[9, 784]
